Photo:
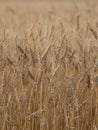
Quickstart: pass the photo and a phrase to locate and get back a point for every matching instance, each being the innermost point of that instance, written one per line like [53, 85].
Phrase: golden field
[49, 65]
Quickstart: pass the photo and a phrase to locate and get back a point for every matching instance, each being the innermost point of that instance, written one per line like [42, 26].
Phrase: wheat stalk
[93, 31]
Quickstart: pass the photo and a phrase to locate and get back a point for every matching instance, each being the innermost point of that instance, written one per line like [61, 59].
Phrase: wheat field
[49, 65]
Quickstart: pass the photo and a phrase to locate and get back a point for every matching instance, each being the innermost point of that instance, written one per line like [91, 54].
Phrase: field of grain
[49, 65]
